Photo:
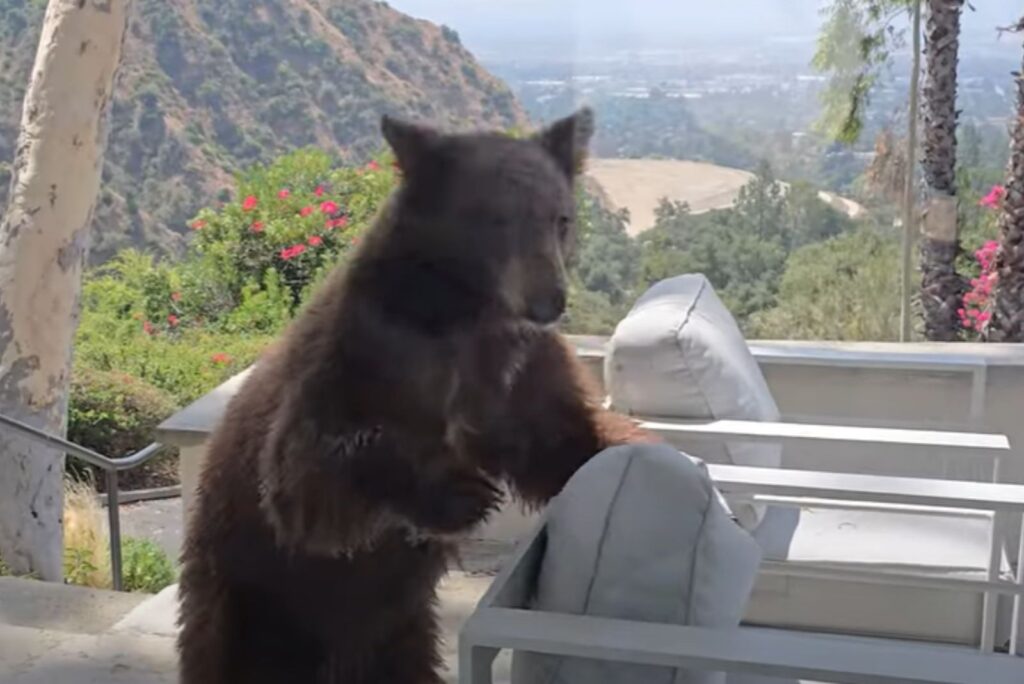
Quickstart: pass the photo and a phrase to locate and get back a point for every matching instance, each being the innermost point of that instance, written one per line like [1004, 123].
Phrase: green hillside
[210, 87]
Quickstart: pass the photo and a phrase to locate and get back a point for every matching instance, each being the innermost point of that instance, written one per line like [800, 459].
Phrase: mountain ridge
[207, 90]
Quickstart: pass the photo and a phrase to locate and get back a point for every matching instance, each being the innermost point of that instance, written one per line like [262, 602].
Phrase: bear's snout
[545, 310]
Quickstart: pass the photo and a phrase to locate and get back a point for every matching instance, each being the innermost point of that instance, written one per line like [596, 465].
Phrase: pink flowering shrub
[974, 313]
[297, 217]
[186, 326]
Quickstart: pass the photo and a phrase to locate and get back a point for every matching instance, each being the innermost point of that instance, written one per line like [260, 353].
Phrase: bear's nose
[547, 310]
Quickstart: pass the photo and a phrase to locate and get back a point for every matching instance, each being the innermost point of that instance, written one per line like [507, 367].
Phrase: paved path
[162, 522]
[45, 648]
[56, 634]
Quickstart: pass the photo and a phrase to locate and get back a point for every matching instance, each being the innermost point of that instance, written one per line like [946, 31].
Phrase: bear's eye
[563, 227]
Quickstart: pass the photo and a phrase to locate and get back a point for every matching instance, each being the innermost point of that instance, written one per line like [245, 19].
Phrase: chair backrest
[639, 533]
[680, 354]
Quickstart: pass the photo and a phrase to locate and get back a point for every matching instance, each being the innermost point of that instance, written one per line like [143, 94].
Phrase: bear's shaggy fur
[418, 379]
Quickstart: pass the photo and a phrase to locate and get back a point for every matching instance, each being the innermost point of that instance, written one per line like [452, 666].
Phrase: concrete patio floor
[55, 634]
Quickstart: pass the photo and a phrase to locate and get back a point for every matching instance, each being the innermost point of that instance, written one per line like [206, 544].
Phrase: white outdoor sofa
[866, 578]
[503, 619]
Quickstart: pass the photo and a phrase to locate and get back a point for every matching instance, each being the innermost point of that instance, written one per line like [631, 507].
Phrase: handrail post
[113, 514]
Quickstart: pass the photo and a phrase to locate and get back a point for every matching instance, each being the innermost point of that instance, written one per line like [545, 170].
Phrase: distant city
[753, 52]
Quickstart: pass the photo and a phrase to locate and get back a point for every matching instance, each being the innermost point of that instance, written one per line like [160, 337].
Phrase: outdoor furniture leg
[997, 541]
[991, 599]
[476, 663]
[1017, 603]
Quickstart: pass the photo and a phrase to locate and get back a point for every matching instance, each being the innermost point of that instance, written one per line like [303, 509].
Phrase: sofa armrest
[781, 433]
[748, 650]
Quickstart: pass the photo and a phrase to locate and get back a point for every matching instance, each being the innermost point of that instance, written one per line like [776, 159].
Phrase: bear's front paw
[455, 502]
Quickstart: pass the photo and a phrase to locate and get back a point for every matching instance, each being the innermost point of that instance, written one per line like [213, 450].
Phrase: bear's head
[482, 224]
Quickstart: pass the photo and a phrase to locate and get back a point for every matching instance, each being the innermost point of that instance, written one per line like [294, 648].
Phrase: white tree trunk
[43, 243]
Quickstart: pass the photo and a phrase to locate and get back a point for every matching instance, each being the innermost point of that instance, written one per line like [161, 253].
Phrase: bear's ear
[566, 140]
[410, 142]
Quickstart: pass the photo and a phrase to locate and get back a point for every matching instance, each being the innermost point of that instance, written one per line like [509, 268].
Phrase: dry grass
[86, 542]
[640, 184]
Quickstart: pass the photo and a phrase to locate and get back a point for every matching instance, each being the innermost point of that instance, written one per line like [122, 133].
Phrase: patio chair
[624, 582]
[679, 357]
[866, 578]
[639, 533]
[507, 618]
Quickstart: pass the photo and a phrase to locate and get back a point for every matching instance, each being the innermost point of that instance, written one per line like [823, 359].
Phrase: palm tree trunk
[1007, 323]
[941, 287]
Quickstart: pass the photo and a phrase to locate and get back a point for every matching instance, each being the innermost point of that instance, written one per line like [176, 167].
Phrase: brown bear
[419, 378]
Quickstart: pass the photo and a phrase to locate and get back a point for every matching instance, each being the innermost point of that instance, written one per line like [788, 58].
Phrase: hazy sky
[485, 23]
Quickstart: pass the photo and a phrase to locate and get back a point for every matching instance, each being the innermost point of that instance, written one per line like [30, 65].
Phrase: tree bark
[1007, 309]
[43, 244]
[942, 288]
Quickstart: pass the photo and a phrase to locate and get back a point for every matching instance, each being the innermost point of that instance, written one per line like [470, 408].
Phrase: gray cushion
[639, 533]
[930, 545]
[680, 354]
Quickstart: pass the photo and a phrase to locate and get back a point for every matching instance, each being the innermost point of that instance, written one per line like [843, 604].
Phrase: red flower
[319, 192]
[283, 193]
[994, 196]
[292, 252]
[305, 211]
[373, 166]
[256, 227]
[172, 320]
[175, 296]
[198, 224]
[147, 327]
[249, 203]
[220, 358]
[339, 222]
[328, 207]
[315, 241]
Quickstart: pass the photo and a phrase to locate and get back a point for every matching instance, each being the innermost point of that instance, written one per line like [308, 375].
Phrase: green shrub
[116, 414]
[450, 35]
[78, 568]
[145, 567]
[846, 288]
[180, 329]
[187, 363]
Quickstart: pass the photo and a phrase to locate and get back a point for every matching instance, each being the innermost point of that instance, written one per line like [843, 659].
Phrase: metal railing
[110, 466]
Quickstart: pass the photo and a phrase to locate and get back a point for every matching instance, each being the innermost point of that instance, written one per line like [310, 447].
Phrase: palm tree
[1007, 323]
[941, 286]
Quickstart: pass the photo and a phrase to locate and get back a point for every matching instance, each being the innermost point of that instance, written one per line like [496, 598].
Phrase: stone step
[138, 646]
[62, 607]
[40, 656]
